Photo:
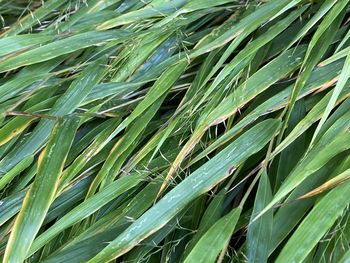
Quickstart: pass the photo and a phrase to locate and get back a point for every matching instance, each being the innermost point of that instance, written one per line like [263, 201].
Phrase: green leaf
[259, 231]
[61, 47]
[85, 209]
[66, 104]
[22, 43]
[35, 17]
[42, 192]
[334, 141]
[214, 240]
[317, 47]
[22, 165]
[199, 182]
[345, 258]
[155, 8]
[343, 78]
[311, 230]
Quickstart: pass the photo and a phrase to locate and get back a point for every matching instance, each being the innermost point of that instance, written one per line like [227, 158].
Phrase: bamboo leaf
[343, 78]
[335, 138]
[42, 192]
[213, 241]
[311, 230]
[259, 231]
[200, 181]
[54, 49]
[85, 209]
[66, 104]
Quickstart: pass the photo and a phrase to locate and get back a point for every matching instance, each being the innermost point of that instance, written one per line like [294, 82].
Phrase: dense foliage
[174, 131]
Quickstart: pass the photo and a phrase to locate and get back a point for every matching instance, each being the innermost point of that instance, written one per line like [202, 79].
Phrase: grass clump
[174, 131]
